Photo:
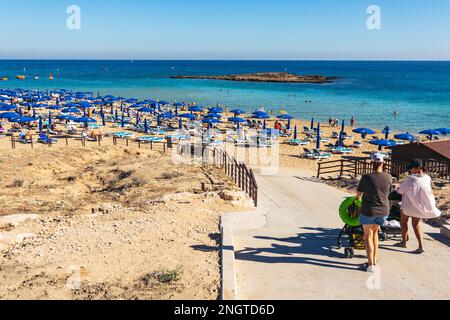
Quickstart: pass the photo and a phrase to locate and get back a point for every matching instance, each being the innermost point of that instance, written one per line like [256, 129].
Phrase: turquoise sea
[370, 91]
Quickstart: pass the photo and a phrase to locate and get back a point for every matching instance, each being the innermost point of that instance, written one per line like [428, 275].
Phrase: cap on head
[415, 164]
[377, 157]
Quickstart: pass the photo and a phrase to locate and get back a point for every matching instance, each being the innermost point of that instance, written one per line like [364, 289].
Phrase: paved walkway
[289, 251]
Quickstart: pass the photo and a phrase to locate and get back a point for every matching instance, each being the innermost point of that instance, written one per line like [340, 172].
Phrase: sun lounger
[297, 142]
[308, 154]
[94, 126]
[122, 135]
[151, 139]
[215, 143]
[357, 144]
[321, 155]
[341, 150]
[43, 138]
[324, 140]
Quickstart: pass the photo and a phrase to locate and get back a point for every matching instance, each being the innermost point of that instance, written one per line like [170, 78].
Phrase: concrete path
[287, 250]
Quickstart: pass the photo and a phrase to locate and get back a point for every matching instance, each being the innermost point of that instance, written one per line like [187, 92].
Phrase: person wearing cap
[418, 202]
[374, 190]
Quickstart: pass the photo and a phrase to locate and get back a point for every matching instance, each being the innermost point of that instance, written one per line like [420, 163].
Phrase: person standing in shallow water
[418, 202]
[374, 190]
[352, 121]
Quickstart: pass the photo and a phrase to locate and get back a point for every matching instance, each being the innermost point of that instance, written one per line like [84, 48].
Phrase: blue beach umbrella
[341, 135]
[55, 107]
[7, 107]
[430, 133]
[138, 119]
[85, 120]
[40, 124]
[215, 110]
[189, 116]
[23, 119]
[167, 115]
[237, 112]
[238, 121]
[312, 123]
[406, 137]
[145, 126]
[102, 114]
[288, 118]
[383, 143]
[318, 136]
[211, 120]
[66, 117]
[213, 115]
[70, 110]
[260, 115]
[364, 132]
[146, 110]
[195, 109]
[386, 131]
[444, 131]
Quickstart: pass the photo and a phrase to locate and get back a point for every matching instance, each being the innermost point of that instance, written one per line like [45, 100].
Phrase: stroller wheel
[349, 253]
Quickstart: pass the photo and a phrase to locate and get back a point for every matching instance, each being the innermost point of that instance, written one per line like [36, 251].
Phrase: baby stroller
[393, 229]
[354, 231]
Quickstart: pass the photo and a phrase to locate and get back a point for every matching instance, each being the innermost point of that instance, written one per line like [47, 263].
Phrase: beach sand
[126, 222]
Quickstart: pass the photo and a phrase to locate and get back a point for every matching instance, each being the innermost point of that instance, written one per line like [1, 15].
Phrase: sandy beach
[126, 222]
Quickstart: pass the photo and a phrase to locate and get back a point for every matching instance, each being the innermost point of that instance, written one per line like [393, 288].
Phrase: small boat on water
[36, 78]
[4, 79]
[21, 77]
[51, 77]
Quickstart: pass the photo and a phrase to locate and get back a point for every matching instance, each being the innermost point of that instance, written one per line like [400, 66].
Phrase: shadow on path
[299, 249]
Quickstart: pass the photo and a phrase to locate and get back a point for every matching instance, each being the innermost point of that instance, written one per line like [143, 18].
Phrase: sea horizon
[370, 90]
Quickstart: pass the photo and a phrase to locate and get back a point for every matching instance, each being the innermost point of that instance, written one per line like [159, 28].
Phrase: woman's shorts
[365, 220]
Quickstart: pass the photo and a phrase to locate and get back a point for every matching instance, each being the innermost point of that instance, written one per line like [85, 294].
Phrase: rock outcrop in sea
[282, 77]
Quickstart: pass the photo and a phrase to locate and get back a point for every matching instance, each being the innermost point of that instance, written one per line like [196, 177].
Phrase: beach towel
[418, 199]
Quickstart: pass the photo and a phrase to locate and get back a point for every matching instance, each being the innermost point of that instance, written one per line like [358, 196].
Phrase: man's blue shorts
[365, 220]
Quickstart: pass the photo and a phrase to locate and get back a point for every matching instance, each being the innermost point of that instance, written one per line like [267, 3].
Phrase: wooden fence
[359, 167]
[239, 172]
[68, 140]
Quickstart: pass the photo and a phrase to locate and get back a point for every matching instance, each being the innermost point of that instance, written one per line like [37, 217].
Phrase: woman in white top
[418, 202]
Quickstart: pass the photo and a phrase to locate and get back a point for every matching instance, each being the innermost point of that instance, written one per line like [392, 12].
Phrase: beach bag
[354, 211]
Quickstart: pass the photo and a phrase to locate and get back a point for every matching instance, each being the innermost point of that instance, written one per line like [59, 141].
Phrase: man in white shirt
[418, 202]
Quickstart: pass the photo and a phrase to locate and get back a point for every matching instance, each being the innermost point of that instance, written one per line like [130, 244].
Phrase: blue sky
[231, 29]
